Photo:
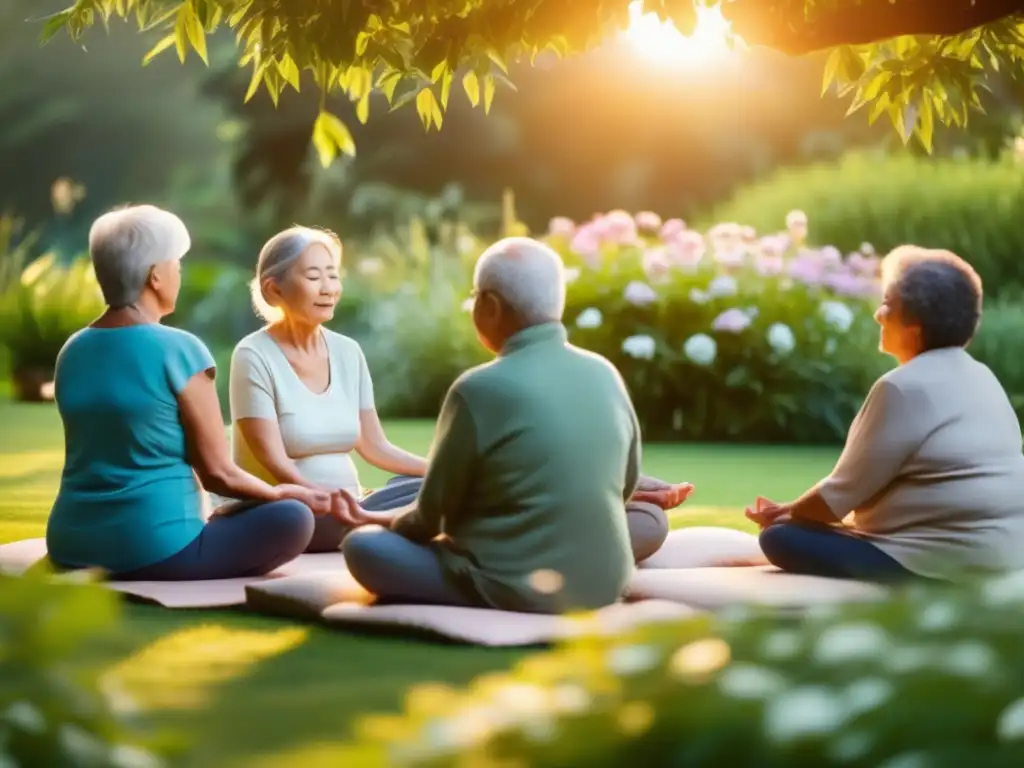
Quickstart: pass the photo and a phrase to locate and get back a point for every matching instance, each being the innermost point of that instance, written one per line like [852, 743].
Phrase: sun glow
[661, 41]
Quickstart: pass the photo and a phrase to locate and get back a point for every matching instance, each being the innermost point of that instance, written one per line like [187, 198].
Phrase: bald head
[528, 275]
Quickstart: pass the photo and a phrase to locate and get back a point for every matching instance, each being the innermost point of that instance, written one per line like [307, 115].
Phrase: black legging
[815, 550]
[251, 543]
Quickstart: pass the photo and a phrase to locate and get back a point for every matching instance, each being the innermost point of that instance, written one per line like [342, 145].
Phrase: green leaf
[363, 108]
[54, 24]
[196, 33]
[426, 106]
[446, 87]
[165, 42]
[181, 36]
[254, 81]
[471, 84]
[387, 83]
[926, 126]
[330, 136]
[289, 70]
[488, 93]
[831, 70]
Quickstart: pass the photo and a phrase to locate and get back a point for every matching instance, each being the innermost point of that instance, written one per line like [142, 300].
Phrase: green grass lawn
[259, 692]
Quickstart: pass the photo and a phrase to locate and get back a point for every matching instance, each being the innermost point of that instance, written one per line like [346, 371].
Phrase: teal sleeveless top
[128, 496]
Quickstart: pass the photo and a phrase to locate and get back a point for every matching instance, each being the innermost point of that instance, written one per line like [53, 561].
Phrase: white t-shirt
[319, 430]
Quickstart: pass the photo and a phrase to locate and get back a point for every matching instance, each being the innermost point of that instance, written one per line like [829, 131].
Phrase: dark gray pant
[398, 570]
[399, 491]
[251, 543]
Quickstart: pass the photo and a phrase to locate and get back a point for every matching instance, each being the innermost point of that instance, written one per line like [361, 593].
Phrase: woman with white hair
[142, 424]
[301, 394]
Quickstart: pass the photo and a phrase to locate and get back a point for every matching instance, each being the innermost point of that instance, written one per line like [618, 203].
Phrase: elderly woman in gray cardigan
[931, 481]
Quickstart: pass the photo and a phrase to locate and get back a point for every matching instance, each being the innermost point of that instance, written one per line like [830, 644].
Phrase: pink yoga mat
[221, 593]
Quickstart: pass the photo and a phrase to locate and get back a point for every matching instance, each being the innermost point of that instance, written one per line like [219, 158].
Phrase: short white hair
[528, 275]
[279, 255]
[126, 243]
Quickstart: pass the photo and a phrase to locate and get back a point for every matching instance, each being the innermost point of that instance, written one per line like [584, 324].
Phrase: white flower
[970, 659]
[25, 716]
[589, 318]
[570, 698]
[723, 285]
[1004, 590]
[572, 274]
[781, 644]
[850, 642]
[126, 756]
[781, 338]
[908, 659]
[371, 266]
[802, 712]
[938, 616]
[632, 659]
[641, 347]
[697, 296]
[796, 218]
[1010, 726]
[639, 294]
[700, 349]
[830, 346]
[746, 681]
[467, 305]
[866, 695]
[867, 249]
[837, 315]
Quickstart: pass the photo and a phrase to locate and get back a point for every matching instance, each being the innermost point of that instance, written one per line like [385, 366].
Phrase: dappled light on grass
[181, 670]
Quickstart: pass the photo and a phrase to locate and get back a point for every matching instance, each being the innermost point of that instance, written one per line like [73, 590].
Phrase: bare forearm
[395, 460]
[235, 483]
[811, 508]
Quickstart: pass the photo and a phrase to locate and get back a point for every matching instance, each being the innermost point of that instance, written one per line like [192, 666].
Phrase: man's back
[543, 526]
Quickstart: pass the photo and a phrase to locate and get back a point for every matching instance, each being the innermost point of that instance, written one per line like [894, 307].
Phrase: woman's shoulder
[340, 343]
[254, 345]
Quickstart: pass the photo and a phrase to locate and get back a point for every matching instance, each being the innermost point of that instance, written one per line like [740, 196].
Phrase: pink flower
[560, 226]
[845, 283]
[586, 242]
[619, 227]
[864, 265]
[639, 294]
[769, 264]
[731, 257]
[648, 221]
[656, 262]
[672, 229]
[731, 321]
[687, 249]
[774, 245]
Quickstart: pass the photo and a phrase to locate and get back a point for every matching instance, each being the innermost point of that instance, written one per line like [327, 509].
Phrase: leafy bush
[42, 303]
[970, 206]
[720, 337]
[406, 303]
[54, 711]
[725, 336]
[997, 345]
[929, 677]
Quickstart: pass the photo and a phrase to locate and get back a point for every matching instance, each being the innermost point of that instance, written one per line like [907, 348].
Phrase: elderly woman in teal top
[143, 428]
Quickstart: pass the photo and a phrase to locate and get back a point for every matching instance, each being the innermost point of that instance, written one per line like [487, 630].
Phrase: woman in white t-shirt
[301, 395]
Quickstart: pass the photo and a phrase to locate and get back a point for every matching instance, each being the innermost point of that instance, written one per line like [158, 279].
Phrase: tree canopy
[918, 61]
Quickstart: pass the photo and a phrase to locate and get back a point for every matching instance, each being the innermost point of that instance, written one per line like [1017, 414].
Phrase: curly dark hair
[938, 291]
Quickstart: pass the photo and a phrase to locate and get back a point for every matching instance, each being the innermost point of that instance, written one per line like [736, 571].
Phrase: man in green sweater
[536, 453]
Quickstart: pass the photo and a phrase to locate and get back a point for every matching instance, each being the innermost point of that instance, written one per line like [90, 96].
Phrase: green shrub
[929, 677]
[971, 206]
[665, 306]
[406, 304]
[54, 709]
[42, 303]
[998, 346]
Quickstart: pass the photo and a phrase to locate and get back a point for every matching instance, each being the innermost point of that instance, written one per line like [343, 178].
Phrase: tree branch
[779, 24]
